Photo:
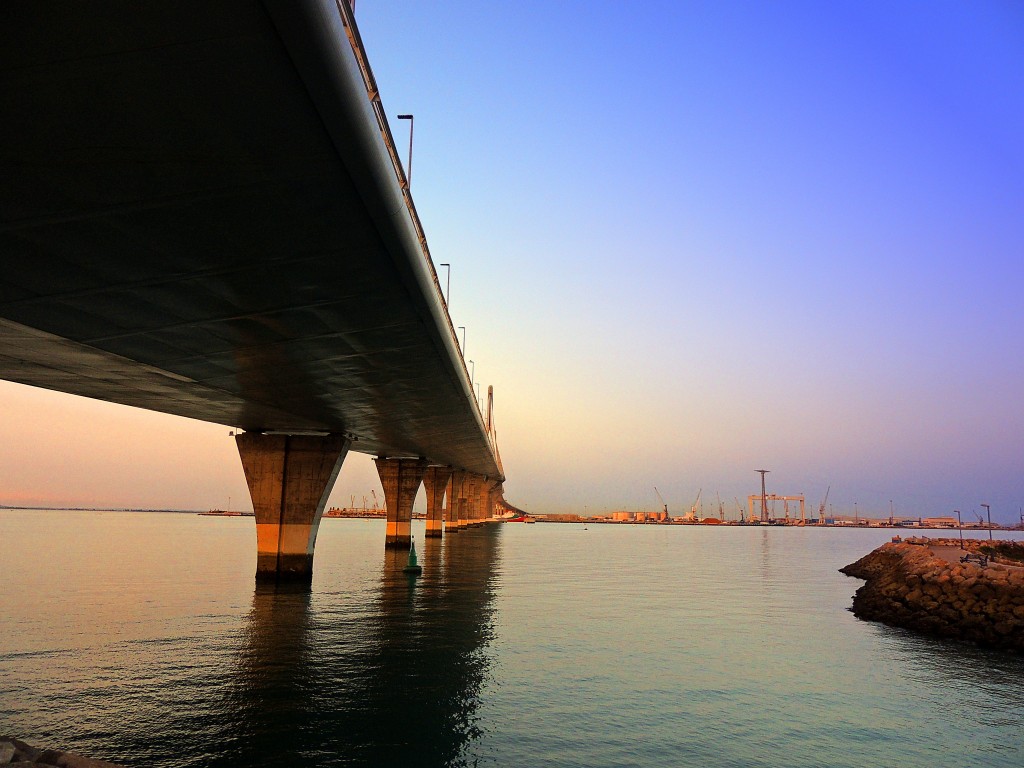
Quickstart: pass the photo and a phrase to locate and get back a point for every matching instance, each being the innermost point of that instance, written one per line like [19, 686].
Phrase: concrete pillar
[289, 478]
[493, 494]
[450, 517]
[487, 499]
[400, 479]
[435, 481]
[499, 499]
[458, 504]
[472, 493]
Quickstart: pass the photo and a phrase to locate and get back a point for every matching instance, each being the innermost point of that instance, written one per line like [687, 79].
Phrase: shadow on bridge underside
[202, 214]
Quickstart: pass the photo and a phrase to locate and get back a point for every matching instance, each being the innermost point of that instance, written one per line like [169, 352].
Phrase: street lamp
[463, 329]
[988, 509]
[408, 170]
[472, 373]
[448, 284]
[960, 526]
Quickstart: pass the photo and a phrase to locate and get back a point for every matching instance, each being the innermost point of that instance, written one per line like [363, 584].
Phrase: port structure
[663, 515]
[764, 498]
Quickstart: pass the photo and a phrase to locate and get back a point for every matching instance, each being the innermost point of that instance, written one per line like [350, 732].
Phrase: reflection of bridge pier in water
[433, 643]
[395, 681]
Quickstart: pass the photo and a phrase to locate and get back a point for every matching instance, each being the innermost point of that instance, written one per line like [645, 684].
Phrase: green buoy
[412, 567]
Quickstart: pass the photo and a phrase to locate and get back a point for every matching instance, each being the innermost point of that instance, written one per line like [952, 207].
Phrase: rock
[23, 754]
[22, 751]
[907, 585]
[69, 760]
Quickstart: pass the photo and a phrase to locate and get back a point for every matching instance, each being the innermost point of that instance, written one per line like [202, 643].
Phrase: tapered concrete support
[491, 495]
[435, 481]
[289, 478]
[484, 509]
[457, 506]
[449, 508]
[401, 480]
[471, 488]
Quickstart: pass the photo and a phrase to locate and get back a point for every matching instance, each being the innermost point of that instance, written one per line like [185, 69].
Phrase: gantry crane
[693, 509]
[664, 506]
[821, 509]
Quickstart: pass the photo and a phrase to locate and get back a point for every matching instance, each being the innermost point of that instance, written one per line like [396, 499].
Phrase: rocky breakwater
[14, 752]
[924, 587]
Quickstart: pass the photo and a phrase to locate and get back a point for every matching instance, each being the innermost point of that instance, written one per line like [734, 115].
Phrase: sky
[688, 240]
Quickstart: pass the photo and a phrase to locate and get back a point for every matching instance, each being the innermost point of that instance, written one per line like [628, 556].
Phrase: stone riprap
[17, 753]
[920, 584]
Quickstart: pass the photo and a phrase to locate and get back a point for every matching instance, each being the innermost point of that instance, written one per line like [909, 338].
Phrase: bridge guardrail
[352, 31]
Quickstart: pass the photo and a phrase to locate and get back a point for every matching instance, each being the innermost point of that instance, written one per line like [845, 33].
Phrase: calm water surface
[141, 638]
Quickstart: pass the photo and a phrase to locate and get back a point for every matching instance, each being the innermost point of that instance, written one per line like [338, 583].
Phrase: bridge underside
[198, 216]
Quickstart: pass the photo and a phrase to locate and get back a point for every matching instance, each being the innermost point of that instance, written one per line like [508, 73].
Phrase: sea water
[142, 638]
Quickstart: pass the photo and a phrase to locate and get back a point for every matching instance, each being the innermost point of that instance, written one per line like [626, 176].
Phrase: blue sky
[689, 240]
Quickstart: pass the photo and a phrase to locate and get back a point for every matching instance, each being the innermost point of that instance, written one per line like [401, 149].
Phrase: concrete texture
[289, 479]
[400, 479]
[435, 482]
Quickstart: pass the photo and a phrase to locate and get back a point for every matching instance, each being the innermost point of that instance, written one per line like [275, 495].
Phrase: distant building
[939, 522]
[622, 516]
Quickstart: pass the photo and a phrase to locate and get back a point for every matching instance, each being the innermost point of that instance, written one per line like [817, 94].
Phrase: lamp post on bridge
[472, 373]
[408, 170]
[463, 329]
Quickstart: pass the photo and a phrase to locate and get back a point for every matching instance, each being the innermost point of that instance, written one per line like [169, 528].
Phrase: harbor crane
[821, 509]
[739, 507]
[664, 506]
[693, 509]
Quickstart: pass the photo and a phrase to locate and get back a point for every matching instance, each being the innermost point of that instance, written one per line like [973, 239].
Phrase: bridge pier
[491, 497]
[483, 494]
[289, 479]
[435, 481]
[401, 480]
[457, 501]
[449, 508]
[472, 493]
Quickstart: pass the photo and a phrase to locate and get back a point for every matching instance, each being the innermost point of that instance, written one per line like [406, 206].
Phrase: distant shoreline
[372, 514]
[99, 509]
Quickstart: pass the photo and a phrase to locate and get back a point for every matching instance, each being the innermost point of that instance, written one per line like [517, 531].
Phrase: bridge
[203, 212]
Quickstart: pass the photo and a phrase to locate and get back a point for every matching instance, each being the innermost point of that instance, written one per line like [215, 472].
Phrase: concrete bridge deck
[202, 213]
